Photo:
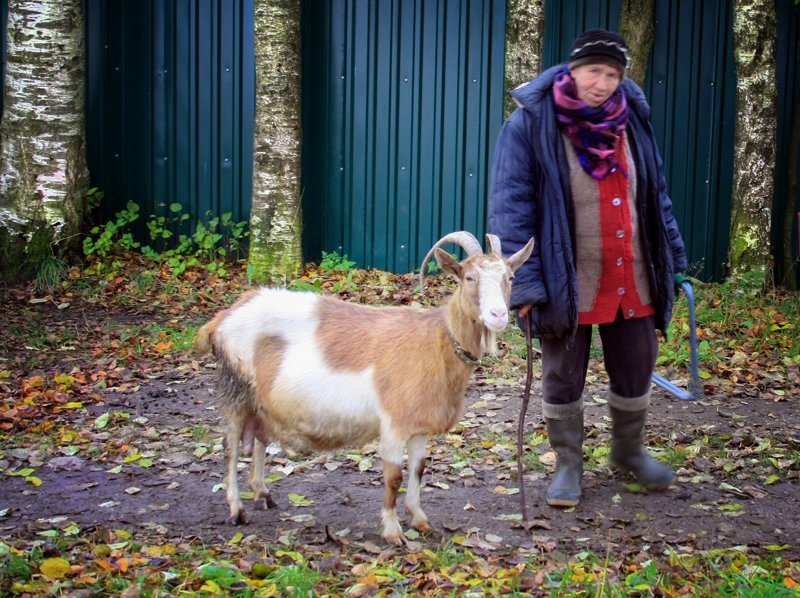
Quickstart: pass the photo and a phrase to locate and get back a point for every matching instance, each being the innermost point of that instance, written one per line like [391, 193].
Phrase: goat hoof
[269, 502]
[422, 527]
[239, 518]
[395, 536]
[396, 540]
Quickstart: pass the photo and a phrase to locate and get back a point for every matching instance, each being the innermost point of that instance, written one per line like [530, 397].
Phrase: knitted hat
[600, 46]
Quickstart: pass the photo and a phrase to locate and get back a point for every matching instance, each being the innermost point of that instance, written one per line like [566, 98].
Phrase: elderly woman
[577, 167]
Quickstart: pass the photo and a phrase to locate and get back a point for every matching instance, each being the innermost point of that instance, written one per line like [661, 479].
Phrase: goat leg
[232, 436]
[256, 478]
[416, 467]
[392, 478]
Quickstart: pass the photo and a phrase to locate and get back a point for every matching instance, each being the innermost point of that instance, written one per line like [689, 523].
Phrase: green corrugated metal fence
[402, 105]
[788, 108]
[170, 104]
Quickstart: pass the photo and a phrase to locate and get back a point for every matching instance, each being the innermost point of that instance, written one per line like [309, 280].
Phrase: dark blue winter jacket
[531, 197]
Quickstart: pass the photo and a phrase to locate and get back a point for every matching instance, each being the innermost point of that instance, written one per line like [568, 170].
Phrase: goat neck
[466, 331]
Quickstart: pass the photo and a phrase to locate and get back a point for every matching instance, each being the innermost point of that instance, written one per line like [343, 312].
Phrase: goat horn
[494, 243]
[465, 240]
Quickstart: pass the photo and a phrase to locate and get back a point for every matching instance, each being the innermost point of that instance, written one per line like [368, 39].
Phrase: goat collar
[462, 353]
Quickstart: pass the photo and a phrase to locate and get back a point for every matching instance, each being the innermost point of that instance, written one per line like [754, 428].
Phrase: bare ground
[724, 497]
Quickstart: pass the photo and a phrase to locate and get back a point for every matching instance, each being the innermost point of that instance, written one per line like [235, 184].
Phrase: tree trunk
[754, 38]
[43, 173]
[524, 44]
[789, 217]
[275, 217]
[636, 26]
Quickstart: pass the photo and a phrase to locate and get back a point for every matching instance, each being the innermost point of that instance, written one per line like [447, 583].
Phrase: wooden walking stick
[526, 323]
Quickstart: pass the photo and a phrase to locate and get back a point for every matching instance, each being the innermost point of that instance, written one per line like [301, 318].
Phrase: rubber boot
[627, 446]
[565, 430]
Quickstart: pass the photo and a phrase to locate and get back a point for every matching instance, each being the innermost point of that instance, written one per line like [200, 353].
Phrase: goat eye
[469, 278]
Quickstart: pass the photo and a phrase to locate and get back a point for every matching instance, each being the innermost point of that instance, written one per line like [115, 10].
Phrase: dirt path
[156, 468]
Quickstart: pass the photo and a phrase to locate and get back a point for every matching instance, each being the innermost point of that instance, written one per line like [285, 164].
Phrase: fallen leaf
[634, 488]
[548, 458]
[299, 500]
[55, 568]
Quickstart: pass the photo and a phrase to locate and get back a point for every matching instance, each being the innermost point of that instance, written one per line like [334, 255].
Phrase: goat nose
[498, 312]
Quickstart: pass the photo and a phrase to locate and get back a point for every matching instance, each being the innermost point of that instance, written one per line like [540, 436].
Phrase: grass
[297, 580]
[51, 273]
[150, 338]
[733, 316]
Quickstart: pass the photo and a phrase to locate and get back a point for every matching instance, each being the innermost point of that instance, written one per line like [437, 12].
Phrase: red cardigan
[609, 259]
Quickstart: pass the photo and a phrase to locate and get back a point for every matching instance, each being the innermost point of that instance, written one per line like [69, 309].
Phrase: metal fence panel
[170, 104]
[402, 105]
[786, 190]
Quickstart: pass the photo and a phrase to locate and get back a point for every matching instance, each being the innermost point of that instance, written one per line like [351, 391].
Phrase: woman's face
[595, 83]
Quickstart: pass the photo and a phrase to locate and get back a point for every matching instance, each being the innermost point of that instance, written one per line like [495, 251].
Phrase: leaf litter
[111, 456]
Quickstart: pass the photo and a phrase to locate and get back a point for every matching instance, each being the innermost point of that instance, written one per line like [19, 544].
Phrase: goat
[317, 373]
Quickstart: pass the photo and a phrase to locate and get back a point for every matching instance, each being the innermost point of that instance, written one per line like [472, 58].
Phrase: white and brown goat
[316, 373]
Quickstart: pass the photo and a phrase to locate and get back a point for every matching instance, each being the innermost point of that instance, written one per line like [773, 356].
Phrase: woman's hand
[523, 311]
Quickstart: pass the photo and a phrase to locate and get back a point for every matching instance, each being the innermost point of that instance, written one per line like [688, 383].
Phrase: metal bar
[695, 387]
[695, 390]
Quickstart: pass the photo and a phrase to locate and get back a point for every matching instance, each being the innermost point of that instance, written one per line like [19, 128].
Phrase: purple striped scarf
[595, 132]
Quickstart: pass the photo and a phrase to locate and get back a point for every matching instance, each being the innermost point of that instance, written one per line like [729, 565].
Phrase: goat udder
[253, 429]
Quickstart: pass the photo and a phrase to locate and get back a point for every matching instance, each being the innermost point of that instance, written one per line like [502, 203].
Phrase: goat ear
[448, 263]
[519, 258]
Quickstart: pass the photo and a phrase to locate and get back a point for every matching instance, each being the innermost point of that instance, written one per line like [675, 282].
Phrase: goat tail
[202, 342]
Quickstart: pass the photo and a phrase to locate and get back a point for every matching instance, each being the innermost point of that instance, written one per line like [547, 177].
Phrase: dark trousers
[630, 348]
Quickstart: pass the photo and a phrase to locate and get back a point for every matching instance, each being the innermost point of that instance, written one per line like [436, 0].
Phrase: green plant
[448, 554]
[94, 199]
[200, 432]
[50, 274]
[207, 238]
[112, 235]
[333, 262]
[159, 225]
[212, 243]
[298, 580]
[15, 567]
[305, 285]
[234, 234]
[345, 284]
[646, 579]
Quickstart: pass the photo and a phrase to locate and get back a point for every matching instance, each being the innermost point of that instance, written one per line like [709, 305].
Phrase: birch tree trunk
[524, 44]
[637, 28]
[754, 38]
[275, 216]
[43, 173]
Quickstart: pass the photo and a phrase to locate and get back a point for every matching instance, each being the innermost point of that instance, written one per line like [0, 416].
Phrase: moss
[273, 263]
[23, 250]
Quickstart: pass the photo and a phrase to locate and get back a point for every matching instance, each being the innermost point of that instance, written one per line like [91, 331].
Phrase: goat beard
[488, 342]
